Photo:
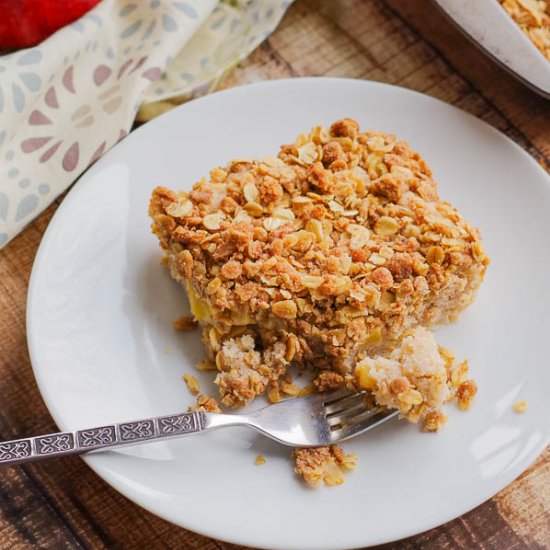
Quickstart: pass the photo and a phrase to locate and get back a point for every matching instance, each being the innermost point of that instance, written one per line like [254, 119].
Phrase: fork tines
[349, 414]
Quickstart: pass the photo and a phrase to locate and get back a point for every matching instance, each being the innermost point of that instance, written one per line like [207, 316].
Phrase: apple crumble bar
[318, 257]
[205, 403]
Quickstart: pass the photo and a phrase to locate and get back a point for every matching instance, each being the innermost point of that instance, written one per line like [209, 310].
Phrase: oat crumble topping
[433, 421]
[533, 17]
[192, 383]
[465, 393]
[328, 256]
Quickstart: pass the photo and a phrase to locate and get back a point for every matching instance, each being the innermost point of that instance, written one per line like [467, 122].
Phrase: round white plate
[101, 306]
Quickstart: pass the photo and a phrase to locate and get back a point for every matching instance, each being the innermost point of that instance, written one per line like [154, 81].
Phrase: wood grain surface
[63, 504]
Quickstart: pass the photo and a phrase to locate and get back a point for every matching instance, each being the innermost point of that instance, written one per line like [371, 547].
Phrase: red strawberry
[27, 22]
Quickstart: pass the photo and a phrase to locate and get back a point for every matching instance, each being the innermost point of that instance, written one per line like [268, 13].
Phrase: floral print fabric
[66, 102]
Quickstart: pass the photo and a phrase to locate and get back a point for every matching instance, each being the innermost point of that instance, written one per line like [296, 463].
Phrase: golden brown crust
[329, 380]
[192, 383]
[339, 244]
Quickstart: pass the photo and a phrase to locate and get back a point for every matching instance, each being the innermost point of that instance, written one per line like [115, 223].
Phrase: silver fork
[313, 421]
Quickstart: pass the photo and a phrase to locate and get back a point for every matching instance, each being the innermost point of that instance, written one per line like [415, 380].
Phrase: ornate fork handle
[112, 435]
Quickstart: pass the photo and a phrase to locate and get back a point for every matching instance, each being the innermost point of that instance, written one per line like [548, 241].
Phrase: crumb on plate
[465, 394]
[192, 383]
[185, 322]
[323, 465]
[520, 406]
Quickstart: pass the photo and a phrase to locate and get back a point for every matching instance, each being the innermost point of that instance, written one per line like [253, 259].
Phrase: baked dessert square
[319, 257]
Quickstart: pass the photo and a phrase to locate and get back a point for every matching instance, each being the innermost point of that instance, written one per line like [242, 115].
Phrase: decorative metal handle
[113, 435]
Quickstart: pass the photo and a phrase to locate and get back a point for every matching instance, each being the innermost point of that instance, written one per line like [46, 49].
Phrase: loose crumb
[169, 350]
[205, 403]
[465, 394]
[260, 460]
[433, 421]
[520, 406]
[323, 465]
[192, 383]
[185, 322]
[206, 364]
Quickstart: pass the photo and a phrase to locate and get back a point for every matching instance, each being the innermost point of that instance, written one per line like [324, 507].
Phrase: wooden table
[63, 504]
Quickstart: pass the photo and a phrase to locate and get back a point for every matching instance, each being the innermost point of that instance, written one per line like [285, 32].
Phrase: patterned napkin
[66, 102]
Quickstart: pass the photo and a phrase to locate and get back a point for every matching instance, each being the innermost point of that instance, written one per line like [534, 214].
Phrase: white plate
[101, 306]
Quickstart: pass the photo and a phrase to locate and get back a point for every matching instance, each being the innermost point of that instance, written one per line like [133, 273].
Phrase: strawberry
[25, 23]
